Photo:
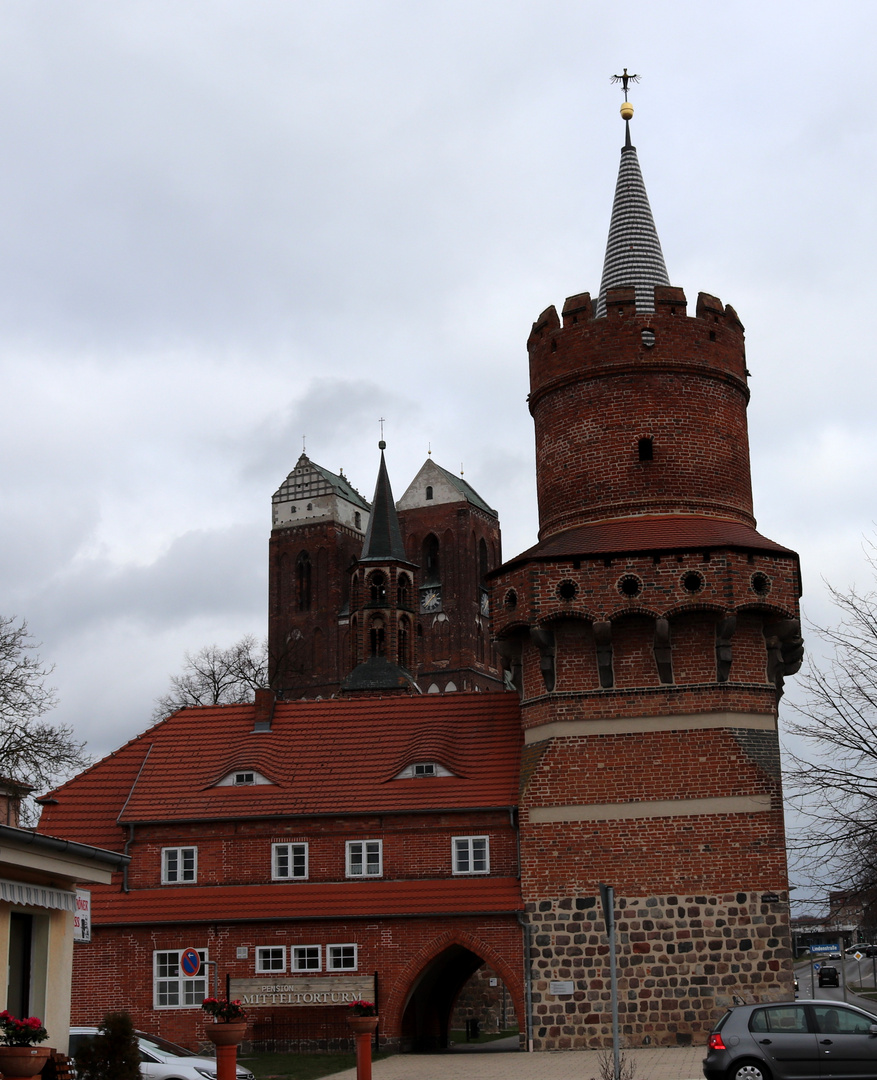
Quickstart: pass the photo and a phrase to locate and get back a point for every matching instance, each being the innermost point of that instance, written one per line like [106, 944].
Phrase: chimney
[11, 794]
[264, 710]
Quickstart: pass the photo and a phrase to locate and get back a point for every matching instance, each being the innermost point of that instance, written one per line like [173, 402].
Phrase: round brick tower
[648, 632]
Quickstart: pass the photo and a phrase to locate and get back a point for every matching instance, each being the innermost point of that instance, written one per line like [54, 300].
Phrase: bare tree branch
[31, 749]
[215, 676]
[835, 787]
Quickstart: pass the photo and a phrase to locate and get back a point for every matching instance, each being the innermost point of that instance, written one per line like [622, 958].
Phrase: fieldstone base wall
[484, 998]
[680, 961]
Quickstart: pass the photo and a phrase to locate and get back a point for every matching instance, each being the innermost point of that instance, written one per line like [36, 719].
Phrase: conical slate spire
[383, 538]
[633, 250]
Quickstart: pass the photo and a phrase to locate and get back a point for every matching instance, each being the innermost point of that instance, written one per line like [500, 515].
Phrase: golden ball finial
[626, 110]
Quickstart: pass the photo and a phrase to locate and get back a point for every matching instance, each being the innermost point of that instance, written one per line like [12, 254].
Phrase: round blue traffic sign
[190, 962]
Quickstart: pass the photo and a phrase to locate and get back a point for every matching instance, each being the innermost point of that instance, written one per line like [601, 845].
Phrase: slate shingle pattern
[633, 250]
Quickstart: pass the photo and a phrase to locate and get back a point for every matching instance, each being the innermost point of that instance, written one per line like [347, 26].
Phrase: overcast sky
[228, 225]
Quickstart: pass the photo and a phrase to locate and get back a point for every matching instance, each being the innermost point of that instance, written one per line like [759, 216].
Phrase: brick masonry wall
[239, 852]
[597, 388]
[680, 958]
[114, 971]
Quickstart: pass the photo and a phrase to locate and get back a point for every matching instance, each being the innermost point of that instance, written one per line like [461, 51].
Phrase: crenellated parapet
[639, 412]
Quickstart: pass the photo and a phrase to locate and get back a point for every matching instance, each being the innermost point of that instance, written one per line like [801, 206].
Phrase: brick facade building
[419, 834]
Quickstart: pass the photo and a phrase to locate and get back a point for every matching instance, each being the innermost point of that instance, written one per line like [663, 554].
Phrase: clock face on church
[430, 599]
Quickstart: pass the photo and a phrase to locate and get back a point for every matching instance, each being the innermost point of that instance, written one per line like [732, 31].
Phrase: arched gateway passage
[436, 979]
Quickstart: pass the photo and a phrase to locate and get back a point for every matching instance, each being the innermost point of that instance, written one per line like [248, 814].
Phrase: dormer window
[243, 778]
[418, 769]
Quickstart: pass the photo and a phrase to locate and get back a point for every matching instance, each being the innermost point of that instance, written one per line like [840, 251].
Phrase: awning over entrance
[30, 895]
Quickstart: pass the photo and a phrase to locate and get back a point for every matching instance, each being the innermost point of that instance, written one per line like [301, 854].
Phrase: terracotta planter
[363, 1025]
[227, 1034]
[22, 1061]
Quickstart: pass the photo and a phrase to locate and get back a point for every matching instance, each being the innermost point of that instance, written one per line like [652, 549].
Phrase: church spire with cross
[633, 250]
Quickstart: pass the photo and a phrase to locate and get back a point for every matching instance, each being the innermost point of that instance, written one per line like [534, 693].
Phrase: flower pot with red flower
[362, 1016]
[19, 1056]
[229, 1021]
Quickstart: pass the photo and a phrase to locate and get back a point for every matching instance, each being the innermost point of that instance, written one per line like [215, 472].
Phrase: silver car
[162, 1060]
[793, 1040]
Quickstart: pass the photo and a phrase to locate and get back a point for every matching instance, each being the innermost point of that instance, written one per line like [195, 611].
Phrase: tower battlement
[605, 395]
[712, 338]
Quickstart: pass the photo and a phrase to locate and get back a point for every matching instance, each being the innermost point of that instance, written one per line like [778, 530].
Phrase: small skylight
[418, 769]
[243, 778]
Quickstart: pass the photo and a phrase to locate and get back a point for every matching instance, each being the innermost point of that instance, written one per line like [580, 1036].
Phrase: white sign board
[561, 987]
[82, 916]
[318, 990]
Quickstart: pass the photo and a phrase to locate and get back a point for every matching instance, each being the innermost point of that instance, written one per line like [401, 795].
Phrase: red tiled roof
[325, 757]
[307, 900]
[668, 532]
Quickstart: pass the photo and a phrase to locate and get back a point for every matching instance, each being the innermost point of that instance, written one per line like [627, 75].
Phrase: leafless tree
[835, 786]
[32, 750]
[215, 676]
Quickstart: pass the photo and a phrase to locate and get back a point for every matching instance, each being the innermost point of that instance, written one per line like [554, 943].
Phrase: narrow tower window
[429, 560]
[403, 639]
[303, 581]
[377, 585]
[429, 492]
[377, 636]
[646, 448]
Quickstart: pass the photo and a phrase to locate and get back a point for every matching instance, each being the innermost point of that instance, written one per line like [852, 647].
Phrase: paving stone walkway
[497, 1061]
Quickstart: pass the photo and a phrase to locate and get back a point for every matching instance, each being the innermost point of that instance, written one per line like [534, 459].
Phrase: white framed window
[270, 958]
[424, 768]
[471, 854]
[342, 957]
[179, 864]
[171, 989]
[305, 958]
[244, 778]
[289, 861]
[365, 858]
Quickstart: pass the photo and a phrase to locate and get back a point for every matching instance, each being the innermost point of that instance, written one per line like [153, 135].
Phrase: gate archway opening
[426, 1019]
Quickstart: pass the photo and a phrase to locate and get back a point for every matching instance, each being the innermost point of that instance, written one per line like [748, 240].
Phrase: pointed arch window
[377, 636]
[303, 581]
[403, 591]
[429, 560]
[377, 585]
[403, 642]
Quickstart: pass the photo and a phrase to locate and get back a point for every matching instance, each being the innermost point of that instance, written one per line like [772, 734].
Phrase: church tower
[648, 632]
[318, 524]
[454, 536]
[382, 599]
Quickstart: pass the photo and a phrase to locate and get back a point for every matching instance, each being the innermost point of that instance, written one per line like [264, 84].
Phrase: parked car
[162, 1060]
[786, 1040]
[829, 976]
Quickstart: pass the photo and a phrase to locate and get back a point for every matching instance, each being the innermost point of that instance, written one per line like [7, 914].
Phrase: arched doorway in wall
[449, 974]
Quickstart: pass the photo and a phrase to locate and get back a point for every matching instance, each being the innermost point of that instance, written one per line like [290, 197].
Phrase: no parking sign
[190, 962]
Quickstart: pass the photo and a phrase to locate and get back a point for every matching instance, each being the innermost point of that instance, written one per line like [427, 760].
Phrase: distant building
[413, 825]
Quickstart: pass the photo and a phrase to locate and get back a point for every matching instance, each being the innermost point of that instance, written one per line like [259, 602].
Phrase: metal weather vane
[624, 80]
